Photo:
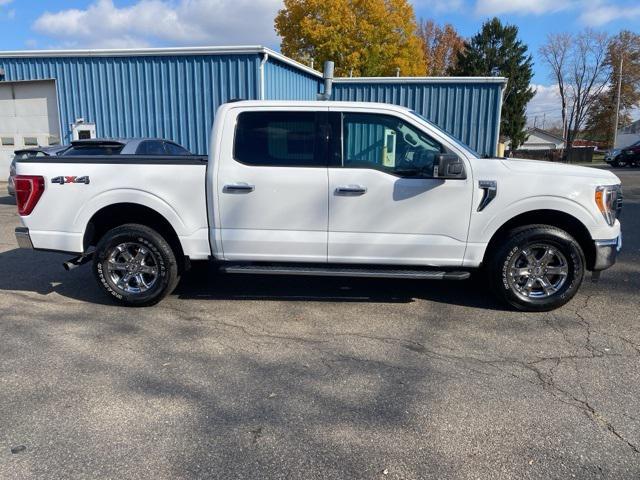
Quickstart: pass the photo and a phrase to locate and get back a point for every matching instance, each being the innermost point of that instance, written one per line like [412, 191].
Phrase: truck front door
[272, 186]
[385, 207]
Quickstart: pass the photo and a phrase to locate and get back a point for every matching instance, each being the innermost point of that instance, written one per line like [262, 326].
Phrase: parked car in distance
[325, 188]
[627, 156]
[611, 154]
[30, 153]
[127, 146]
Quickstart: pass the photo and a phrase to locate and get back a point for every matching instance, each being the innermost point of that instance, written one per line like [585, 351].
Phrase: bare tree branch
[578, 65]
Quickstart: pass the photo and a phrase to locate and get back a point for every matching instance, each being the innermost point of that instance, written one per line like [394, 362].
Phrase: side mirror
[449, 166]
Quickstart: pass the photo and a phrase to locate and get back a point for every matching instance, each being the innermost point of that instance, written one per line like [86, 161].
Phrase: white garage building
[28, 117]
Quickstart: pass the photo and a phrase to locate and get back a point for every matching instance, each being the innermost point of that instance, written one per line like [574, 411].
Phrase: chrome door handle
[240, 187]
[351, 190]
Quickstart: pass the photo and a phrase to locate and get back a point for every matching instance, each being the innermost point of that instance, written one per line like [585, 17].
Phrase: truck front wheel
[135, 265]
[537, 268]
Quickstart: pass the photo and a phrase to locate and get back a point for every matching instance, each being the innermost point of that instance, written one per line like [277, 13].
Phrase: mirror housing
[449, 166]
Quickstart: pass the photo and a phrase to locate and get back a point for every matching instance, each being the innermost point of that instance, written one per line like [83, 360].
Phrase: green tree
[496, 51]
[362, 37]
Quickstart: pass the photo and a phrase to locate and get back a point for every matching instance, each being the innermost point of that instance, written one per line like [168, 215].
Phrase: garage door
[28, 117]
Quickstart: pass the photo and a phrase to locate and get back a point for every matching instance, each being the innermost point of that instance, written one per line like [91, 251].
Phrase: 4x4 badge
[62, 180]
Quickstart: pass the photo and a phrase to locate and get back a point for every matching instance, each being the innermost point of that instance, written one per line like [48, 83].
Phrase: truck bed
[77, 188]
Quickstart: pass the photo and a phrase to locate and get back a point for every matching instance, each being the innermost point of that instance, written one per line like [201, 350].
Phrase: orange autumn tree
[362, 37]
[441, 47]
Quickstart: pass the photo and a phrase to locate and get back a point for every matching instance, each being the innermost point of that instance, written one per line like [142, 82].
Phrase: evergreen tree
[496, 51]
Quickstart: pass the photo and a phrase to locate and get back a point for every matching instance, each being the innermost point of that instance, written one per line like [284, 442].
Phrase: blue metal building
[174, 92]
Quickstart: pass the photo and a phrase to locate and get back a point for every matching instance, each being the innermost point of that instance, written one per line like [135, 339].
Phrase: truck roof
[314, 104]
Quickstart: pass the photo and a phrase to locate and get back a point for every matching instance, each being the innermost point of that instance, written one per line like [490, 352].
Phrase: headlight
[609, 201]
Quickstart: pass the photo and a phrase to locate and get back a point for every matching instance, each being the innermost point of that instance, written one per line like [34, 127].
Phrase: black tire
[510, 275]
[150, 279]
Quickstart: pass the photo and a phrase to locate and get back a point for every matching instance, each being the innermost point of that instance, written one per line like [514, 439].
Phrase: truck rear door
[272, 185]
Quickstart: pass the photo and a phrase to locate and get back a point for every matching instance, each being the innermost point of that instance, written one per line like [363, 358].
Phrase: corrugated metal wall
[284, 82]
[173, 97]
[176, 96]
[468, 111]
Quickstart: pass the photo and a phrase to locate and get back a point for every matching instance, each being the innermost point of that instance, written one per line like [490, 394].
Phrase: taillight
[29, 189]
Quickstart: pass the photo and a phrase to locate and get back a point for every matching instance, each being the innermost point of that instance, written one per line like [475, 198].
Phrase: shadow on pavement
[42, 273]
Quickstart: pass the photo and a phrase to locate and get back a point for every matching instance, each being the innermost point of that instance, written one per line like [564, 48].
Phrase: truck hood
[540, 167]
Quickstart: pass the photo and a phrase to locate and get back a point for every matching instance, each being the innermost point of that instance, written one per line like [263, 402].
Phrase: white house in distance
[628, 135]
[540, 139]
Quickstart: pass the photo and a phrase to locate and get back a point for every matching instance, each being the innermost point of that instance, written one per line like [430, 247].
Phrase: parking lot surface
[291, 377]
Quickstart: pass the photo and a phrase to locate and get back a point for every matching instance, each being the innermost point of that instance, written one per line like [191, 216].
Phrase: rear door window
[278, 139]
[151, 147]
[174, 149]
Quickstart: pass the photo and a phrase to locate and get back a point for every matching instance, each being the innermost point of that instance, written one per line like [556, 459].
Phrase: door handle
[351, 190]
[239, 187]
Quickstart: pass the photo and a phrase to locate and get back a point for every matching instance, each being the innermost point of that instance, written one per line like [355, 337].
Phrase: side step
[342, 271]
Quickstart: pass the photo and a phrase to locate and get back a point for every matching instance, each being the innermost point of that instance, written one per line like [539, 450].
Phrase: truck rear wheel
[538, 268]
[135, 265]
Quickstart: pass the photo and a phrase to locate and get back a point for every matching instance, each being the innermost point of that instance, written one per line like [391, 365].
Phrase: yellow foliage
[362, 37]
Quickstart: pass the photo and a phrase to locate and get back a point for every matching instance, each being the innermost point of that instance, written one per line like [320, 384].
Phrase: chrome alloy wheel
[132, 267]
[538, 271]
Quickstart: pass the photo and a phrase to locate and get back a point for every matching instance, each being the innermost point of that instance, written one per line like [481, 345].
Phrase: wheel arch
[555, 218]
[114, 215]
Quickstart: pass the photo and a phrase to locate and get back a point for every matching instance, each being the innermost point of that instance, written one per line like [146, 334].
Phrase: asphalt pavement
[316, 378]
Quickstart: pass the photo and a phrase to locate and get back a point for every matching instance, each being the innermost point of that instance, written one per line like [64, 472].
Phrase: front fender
[530, 204]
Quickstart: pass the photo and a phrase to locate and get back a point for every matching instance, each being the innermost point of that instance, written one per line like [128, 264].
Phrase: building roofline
[500, 80]
[129, 52]
[545, 132]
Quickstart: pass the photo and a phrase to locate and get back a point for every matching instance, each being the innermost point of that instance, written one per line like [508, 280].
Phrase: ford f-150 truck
[325, 188]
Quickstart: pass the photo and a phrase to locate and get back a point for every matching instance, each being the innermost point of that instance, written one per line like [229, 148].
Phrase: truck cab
[330, 188]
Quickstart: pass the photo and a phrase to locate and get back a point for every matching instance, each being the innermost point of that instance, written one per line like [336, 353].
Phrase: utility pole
[615, 125]
[564, 125]
[544, 118]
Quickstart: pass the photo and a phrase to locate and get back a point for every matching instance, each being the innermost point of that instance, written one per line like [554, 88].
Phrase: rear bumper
[606, 253]
[23, 238]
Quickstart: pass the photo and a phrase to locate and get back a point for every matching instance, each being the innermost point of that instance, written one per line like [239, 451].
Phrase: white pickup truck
[325, 188]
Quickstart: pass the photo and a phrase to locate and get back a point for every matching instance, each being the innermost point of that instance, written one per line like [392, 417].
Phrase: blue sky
[34, 24]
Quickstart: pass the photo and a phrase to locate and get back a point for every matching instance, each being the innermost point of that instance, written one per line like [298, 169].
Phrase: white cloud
[536, 7]
[162, 22]
[598, 12]
[545, 105]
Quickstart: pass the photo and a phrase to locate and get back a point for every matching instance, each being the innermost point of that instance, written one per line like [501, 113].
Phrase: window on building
[282, 139]
[30, 141]
[7, 141]
[386, 143]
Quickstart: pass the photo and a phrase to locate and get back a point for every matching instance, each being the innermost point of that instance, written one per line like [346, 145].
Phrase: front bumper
[23, 238]
[606, 253]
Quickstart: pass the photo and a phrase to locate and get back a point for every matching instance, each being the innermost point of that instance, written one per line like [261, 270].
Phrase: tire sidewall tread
[168, 266]
[515, 241]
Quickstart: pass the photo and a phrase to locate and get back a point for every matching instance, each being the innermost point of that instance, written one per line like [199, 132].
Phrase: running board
[341, 271]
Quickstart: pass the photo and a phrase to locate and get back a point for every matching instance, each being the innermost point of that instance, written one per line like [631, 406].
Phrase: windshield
[458, 143]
